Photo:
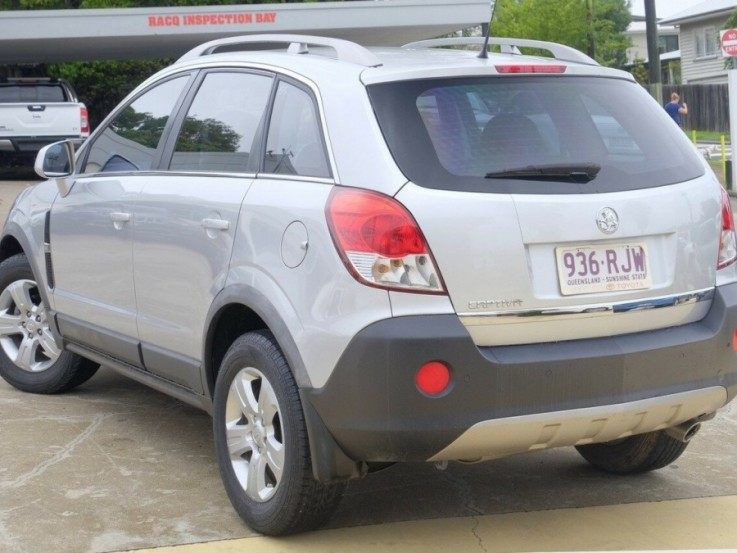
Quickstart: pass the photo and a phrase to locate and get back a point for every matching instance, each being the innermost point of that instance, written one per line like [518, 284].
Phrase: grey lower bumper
[374, 412]
[502, 437]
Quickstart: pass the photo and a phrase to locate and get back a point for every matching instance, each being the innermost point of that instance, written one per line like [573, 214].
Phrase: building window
[706, 42]
[667, 43]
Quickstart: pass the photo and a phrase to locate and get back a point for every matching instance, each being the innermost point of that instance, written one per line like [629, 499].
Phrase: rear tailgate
[537, 268]
[40, 120]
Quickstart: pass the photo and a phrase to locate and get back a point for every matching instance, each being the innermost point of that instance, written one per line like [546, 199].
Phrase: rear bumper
[505, 400]
[31, 145]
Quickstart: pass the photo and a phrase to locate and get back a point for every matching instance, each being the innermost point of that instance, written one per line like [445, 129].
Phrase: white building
[667, 41]
[701, 56]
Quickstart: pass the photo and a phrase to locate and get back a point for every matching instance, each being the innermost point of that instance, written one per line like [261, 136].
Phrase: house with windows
[668, 48]
[701, 55]
[637, 32]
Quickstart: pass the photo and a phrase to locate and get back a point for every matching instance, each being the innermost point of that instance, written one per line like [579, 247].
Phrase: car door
[185, 221]
[91, 227]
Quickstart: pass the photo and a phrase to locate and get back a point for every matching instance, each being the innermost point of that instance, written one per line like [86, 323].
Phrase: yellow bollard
[693, 136]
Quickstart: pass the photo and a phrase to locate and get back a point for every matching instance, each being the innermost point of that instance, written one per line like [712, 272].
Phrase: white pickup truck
[35, 112]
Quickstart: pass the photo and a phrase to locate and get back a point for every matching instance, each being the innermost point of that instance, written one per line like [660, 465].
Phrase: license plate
[610, 268]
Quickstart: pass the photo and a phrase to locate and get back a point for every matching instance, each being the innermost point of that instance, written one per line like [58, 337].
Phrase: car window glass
[294, 145]
[471, 133]
[33, 93]
[615, 138]
[129, 142]
[219, 130]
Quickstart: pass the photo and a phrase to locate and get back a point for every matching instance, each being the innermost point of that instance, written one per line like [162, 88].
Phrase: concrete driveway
[115, 466]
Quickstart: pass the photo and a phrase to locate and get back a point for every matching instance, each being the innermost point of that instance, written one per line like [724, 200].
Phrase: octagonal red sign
[729, 42]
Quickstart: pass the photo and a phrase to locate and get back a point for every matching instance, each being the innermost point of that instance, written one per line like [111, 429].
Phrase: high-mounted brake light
[84, 121]
[380, 242]
[728, 238]
[531, 68]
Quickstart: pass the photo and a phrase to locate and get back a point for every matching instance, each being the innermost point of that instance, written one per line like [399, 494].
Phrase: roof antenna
[484, 50]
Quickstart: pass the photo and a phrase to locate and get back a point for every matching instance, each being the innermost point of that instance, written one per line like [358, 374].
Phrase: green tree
[207, 135]
[640, 73]
[569, 22]
[731, 23]
[39, 4]
[102, 84]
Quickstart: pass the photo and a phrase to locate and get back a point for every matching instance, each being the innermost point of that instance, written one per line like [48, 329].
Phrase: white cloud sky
[664, 8]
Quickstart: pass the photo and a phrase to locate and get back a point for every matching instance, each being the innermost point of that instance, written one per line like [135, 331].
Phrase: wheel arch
[239, 309]
[9, 246]
[14, 242]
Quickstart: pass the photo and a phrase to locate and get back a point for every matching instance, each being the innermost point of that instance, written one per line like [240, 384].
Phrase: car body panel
[92, 252]
[321, 304]
[183, 227]
[506, 270]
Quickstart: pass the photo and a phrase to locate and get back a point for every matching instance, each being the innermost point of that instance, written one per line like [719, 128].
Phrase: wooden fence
[708, 105]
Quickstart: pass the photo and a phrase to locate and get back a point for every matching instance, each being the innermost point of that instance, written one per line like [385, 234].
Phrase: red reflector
[734, 340]
[531, 68]
[433, 378]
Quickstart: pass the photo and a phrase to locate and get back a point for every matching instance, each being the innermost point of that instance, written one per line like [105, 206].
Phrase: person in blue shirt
[675, 108]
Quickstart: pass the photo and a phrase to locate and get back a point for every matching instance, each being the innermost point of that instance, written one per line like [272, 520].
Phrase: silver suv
[356, 257]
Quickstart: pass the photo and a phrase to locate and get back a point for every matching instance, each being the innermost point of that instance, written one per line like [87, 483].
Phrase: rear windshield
[574, 134]
[31, 93]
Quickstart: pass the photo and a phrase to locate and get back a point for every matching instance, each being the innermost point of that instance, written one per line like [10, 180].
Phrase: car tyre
[635, 454]
[31, 358]
[261, 441]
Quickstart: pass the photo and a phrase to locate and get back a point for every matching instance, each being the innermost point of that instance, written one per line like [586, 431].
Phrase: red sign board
[729, 42]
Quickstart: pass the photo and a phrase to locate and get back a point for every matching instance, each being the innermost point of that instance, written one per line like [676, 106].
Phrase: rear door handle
[119, 219]
[215, 224]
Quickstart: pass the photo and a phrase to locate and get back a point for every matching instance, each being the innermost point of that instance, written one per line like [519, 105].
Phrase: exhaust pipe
[685, 431]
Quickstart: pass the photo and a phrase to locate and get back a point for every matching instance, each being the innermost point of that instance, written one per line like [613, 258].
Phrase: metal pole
[732, 87]
[653, 54]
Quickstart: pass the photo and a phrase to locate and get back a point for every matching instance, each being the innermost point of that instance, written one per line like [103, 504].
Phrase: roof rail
[510, 45]
[345, 50]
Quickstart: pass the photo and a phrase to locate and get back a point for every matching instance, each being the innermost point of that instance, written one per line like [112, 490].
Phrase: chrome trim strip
[706, 294]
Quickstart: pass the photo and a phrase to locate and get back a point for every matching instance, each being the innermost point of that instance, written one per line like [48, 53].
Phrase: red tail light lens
[728, 239]
[84, 121]
[380, 242]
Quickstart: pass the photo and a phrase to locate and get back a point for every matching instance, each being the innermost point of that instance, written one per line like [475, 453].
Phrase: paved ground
[115, 466]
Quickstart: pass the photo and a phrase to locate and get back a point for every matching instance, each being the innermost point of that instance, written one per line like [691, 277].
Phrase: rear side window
[294, 145]
[131, 139]
[471, 134]
[31, 93]
[220, 129]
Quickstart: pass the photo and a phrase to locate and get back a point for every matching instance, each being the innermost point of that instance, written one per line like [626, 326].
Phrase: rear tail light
[728, 238]
[84, 120]
[380, 242]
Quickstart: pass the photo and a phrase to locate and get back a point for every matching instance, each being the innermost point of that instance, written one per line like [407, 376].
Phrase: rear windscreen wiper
[553, 171]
